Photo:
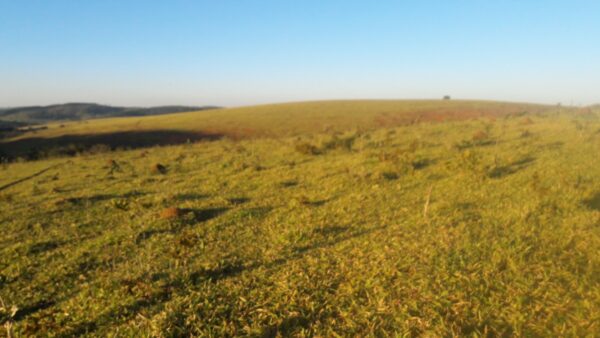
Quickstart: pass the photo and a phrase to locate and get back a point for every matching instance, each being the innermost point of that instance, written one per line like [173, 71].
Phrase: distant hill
[83, 111]
[9, 125]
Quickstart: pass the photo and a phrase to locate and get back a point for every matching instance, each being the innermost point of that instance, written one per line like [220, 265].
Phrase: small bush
[171, 213]
[526, 121]
[480, 136]
[389, 175]
[336, 142]
[158, 169]
[307, 149]
[526, 133]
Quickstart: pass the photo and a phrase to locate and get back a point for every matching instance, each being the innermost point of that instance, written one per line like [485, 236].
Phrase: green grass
[274, 120]
[477, 227]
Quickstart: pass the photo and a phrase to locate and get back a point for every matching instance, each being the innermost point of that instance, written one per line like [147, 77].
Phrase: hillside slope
[83, 111]
[259, 121]
[463, 228]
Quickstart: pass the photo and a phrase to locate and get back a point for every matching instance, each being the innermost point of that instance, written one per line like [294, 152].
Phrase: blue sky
[246, 52]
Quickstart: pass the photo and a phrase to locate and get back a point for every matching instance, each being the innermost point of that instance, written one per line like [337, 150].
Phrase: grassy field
[275, 120]
[477, 227]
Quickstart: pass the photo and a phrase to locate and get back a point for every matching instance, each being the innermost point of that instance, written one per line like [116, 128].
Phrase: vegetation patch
[415, 229]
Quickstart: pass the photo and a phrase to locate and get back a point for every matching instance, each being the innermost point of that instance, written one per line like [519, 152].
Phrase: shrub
[113, 166]
[307, 149]
[526, 133]
[389, 175]
[480, 136]
[336, 142]
[171, 213]
[527, 121]
[158, 169]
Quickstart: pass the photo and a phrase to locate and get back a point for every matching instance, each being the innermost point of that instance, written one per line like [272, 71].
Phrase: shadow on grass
[203, 215]
[223, 270]
[316, 203]
[122, 313]
[40, 247]
[191, 197]
[292, 324]
[238, 200]
[6, 186]
[288, 183]
[594, 202]
[35, 147]
[503, 171]
[31, 309]
[331, 230]
[191, 217]
[99, 198]
[423, 163]
[232, 269]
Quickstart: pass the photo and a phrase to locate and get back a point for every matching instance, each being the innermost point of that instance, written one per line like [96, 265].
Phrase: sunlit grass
[427, 229]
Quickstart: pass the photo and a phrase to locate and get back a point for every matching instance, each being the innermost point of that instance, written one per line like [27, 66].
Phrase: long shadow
[35, 147]
[222, 271]
[316, 203]
[423, 163]
[191, 196]
[232, 269]
[203, 215]
[511, 168]
[100, 198]
[6, 186]
[123, 313]
[200, 215]
[41, 247]
[31, 309]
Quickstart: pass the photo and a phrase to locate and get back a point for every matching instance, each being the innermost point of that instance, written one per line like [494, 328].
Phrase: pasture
[484, 224]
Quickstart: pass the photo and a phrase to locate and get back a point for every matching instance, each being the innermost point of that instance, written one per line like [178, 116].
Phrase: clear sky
[127, 52]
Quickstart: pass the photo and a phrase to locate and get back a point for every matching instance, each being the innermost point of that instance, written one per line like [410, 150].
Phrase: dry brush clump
[526, 121]
[306, 148]
[480, 136]
[526, 133]
[7, 317]
[337, 142]
[172, 213]
[158, 169]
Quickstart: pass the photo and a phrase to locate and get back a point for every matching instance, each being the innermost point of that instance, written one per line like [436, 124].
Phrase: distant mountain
[82, 111]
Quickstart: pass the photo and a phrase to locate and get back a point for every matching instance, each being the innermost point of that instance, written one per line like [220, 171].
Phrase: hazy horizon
[206, 53]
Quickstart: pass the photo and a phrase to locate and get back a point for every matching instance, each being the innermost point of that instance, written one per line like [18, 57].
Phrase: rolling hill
[273, 120]
[348, 220]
